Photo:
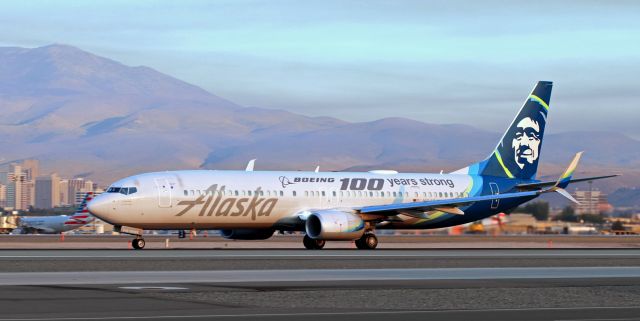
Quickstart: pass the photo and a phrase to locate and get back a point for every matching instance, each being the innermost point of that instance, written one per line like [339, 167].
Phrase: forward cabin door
[164, 192]
[494, 191]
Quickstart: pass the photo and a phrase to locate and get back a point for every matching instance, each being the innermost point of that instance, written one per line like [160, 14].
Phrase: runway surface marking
[308, 314]
[318, 275]
[224, 254]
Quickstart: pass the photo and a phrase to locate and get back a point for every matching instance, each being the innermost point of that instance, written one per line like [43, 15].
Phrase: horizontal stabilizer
[540, 185]
[566, 194]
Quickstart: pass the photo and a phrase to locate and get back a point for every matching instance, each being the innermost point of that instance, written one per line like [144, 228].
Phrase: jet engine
[334, 225]
[247, 234]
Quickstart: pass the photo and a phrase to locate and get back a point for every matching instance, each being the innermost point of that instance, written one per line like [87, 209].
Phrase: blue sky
[469, 62]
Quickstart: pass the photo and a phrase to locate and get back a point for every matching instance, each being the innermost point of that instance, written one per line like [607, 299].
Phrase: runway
[513, 284]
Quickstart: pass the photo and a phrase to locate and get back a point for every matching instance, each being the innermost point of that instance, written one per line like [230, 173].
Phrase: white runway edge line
[311, 275]
[226, 254]
[307, 314]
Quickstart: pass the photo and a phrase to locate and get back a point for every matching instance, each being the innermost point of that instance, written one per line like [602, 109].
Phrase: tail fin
[518, 151]
[81, 216]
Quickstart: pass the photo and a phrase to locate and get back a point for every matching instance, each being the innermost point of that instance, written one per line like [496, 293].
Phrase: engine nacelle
[247, 234]
[334, 225]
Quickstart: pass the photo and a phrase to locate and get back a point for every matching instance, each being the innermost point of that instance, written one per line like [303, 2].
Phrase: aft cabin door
[494, 191]
[164, 192]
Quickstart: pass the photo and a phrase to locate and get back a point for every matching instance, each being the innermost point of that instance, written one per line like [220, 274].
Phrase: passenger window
[306, 193]
[281, 193]
[294, 193]
[249, 193]
[186, 193]
[440, 194]
[335, 194]
[323, 193]
[394, 194]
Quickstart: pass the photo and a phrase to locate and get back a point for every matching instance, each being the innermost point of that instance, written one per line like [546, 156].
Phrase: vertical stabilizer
[518, 151]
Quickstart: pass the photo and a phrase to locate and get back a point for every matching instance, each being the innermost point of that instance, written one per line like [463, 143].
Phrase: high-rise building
[64, 192]
[591, 202]
[47, 191]
[31, 169]
[76, 185]
[14, 181]
[28, 197]
[3, 195]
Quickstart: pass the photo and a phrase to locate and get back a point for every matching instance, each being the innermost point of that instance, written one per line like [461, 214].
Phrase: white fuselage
[210, 199]
[48, 224]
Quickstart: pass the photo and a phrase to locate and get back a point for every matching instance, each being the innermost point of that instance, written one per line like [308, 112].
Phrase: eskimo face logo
[526, 142]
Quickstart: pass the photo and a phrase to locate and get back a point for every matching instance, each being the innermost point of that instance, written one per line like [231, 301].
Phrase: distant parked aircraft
[342, 206]
[59, 223]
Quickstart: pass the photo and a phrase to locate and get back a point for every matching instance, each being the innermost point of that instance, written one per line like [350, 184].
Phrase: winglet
[317, 169]
[250, 165]
[563, 181]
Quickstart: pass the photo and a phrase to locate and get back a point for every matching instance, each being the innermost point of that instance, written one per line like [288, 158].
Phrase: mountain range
[86, 115]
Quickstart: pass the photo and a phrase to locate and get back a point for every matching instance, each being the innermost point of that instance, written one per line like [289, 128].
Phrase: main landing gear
[138, 243]
[368, 241]
[312, 244]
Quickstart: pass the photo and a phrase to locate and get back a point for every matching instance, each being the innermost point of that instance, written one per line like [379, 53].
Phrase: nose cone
[100, 208]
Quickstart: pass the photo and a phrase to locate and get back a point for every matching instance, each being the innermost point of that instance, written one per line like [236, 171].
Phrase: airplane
[339, 206]
[57, 224]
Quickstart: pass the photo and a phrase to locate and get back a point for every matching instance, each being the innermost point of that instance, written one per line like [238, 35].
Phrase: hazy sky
[436, 61]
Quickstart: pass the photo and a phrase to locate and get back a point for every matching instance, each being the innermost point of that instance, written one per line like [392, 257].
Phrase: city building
[64, 192]
[591, 202]
[47, 191]
[78, 185]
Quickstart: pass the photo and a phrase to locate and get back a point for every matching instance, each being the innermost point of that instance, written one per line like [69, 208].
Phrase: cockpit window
[122, 190]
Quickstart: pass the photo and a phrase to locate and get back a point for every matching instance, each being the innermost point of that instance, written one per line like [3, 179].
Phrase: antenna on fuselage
[317, 169]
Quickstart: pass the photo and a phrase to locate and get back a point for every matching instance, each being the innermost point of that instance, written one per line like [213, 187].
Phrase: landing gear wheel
[367, 242]
[312, 244]
[138, 243]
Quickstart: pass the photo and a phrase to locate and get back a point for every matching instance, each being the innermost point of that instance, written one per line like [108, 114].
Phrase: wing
[447, 205]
